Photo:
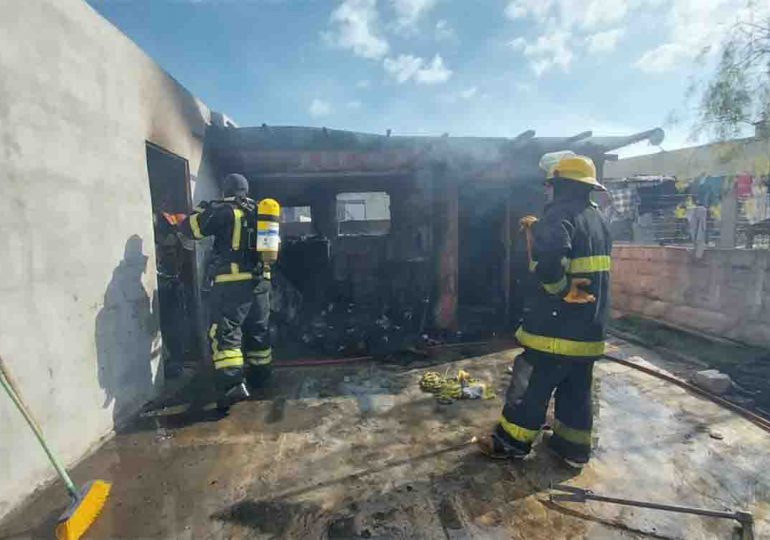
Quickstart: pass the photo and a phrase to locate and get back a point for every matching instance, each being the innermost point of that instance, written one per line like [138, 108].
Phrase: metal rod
[666, 507]
[579, 495]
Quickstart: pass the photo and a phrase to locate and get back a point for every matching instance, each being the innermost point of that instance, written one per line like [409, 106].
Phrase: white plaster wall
[78, 325]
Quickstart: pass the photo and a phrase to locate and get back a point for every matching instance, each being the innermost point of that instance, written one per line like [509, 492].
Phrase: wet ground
[748, 367]
[360, 452]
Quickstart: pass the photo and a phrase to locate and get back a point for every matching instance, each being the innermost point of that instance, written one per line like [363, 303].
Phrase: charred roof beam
[579, 137]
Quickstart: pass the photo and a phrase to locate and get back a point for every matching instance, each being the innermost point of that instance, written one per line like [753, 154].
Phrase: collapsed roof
[288, 150]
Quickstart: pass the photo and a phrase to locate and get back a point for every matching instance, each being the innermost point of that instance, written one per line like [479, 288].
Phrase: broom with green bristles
[86, 503]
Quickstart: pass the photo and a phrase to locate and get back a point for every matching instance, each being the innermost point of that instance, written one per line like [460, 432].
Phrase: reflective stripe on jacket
[232, 223]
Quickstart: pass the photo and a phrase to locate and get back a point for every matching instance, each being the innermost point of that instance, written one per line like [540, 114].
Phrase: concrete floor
[361, 452]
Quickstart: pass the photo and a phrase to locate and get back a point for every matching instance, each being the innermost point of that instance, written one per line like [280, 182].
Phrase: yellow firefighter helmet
[578, 168]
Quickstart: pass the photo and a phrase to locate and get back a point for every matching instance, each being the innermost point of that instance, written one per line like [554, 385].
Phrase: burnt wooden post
[446, 234]
[324, 211]
[507, 240]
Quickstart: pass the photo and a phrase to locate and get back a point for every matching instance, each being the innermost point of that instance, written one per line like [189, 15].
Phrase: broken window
[296, 221]
[296, 214]
[363, 214]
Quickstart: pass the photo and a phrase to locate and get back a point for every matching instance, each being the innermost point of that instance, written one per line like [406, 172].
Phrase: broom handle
[10, 387]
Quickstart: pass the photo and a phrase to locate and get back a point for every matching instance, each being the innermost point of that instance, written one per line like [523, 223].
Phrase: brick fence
[725, 293]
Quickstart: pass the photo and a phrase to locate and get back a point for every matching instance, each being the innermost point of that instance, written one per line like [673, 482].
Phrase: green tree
[737, 94]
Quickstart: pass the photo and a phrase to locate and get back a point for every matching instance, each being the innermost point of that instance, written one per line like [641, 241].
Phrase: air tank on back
[268, 228]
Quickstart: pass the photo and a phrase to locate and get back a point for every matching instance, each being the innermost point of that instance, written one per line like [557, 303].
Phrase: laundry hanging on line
[697, 219]
[708, 191]
[624, 202]
[742, 185]
[757, 208]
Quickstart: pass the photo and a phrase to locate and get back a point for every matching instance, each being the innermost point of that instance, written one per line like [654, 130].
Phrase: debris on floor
[713, 381]
[748, 367]
[360, 451]
[285, 301]
[348, 329]
[448, 389]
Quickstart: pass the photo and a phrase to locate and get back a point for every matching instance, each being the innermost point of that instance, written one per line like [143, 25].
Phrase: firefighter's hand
[527, 221]
[576, 295]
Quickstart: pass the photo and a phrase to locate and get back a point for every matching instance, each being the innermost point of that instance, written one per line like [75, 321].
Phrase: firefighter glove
[527, 221]
[576, 295]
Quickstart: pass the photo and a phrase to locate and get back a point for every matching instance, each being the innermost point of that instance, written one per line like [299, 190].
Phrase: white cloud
[319, 108]
[409, 12]
[664, 57]
[355, 27]
[355, 104]
[444, 32]
[363, 84]
[519, 9]
[603, 42]
[434, 73]
[402, 68]
[570, 14]
[468, 93]
[595, 26]
[408, 67]
[692, 25]
[564, 26]
[596, 14]
[548, 51]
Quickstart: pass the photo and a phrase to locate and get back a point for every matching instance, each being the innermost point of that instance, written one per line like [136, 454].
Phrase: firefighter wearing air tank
[246, 244]
[564, 321]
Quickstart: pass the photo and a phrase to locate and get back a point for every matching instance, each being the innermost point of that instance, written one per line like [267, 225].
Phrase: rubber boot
[259, 377]
[577, 458]
[499, 446]
[234, 395]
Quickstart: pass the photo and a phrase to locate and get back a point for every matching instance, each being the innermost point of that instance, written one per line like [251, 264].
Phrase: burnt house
[425, 226]
[101, 147]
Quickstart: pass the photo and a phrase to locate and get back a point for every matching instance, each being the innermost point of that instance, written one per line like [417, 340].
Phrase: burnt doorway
[175, 265]
[482, 258]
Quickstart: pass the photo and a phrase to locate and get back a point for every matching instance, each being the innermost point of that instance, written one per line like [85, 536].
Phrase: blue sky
[466, 67]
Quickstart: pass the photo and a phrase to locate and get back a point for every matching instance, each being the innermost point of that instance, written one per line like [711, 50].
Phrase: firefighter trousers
[535, 378]
[239, 334]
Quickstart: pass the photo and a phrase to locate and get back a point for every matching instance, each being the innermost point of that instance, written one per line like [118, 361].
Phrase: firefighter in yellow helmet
[563, 327]
[240, 297]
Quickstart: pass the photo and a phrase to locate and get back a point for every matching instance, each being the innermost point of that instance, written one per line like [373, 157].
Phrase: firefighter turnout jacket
[233, 223]
[571, 241]
[239, 333]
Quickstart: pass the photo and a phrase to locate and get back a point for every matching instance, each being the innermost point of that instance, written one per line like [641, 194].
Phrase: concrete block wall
[726, 292]
[78, 316]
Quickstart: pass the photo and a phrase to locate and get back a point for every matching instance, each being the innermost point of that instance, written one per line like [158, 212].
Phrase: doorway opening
[178, 298]
[483, 258]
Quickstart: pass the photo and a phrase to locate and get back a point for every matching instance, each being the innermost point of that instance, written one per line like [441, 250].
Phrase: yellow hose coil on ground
[447, 389]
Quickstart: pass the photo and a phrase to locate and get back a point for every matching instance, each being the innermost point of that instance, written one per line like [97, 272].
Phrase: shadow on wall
[126, 331]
